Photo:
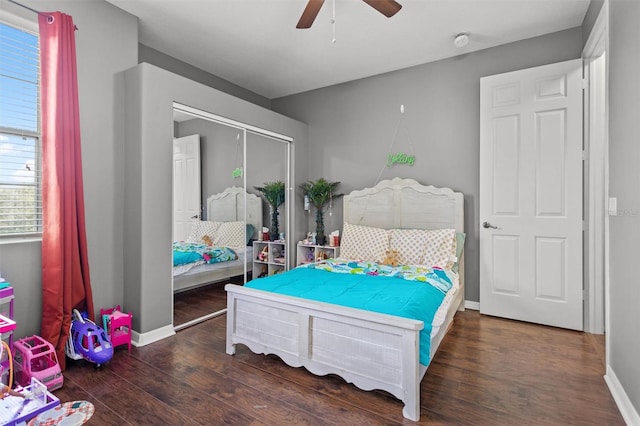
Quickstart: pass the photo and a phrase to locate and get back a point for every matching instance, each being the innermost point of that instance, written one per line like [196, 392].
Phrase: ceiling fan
[387, 7]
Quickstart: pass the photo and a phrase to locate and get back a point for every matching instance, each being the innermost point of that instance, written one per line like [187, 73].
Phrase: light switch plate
[613, 206]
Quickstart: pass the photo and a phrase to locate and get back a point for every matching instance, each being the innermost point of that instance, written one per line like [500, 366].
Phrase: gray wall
[351, 125]
[106, 43]
[624, 180]
[148, 163]
[161, 60]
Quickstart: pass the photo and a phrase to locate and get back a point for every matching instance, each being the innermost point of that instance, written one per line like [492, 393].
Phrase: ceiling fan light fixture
[461, 40]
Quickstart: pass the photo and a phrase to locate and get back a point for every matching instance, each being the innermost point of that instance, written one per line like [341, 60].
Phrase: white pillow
[200, 228]
[364, 243]
[230, 234]
[440, 248]
[410, 244]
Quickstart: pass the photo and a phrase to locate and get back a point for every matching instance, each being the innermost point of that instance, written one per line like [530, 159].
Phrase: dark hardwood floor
[488, 371]
[192, 304]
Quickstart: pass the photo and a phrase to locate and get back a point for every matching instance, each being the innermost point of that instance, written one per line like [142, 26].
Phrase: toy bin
[7, 326]
[35, 357]
[6, 302]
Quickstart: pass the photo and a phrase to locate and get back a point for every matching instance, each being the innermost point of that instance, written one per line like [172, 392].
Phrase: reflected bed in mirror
[225, 223]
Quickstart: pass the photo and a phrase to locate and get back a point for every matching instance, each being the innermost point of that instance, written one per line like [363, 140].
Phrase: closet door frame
[245, 127]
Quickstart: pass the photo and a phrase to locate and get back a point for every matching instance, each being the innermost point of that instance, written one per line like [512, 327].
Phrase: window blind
[20, 150]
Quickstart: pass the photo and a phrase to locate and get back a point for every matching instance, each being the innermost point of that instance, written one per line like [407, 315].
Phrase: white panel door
[186, 184]
[531, 195]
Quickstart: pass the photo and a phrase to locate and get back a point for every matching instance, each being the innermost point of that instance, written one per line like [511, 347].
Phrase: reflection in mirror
[266, 177]
[213, 242]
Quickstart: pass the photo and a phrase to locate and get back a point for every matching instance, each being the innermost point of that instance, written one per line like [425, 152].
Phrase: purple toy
[88, 341]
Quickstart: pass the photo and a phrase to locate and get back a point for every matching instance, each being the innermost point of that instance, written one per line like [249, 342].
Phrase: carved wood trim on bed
[404, 203]
[368, 349]
[228, 206]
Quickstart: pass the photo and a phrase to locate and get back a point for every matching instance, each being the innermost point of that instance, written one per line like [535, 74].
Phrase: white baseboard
[142, 339]
[628, 411]
[470, 304]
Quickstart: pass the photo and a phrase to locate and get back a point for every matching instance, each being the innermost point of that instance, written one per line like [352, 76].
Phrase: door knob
[488, 225]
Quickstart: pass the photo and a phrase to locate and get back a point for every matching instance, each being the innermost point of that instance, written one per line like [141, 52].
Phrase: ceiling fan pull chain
[333, 22]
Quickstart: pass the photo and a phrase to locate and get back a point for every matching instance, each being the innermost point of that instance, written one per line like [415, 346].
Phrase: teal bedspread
[185, 253]
[363, 289]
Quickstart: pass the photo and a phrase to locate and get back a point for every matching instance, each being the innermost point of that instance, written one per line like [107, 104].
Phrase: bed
[226, 207]
[372, 350]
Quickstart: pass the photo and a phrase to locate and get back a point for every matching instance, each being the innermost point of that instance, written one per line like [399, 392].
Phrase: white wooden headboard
[404, 203]
[229, 206]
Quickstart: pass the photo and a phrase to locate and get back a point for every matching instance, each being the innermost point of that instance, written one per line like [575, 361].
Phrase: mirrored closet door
[238, 164]
[267, 178]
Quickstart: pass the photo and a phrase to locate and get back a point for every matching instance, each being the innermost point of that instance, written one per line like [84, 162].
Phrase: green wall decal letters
[400, 158]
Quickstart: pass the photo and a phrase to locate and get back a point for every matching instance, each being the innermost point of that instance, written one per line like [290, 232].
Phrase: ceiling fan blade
[387, 7]
[310, 13]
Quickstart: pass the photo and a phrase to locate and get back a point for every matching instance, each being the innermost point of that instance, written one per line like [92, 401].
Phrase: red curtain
[65, 267]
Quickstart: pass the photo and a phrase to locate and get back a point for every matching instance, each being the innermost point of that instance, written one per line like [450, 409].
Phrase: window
[20, 149]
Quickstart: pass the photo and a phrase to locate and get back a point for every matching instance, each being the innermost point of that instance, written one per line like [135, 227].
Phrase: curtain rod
[24, 7]
[29, 8]
[50, 18]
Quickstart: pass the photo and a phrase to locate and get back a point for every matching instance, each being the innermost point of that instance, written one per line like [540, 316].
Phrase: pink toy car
[35, 357]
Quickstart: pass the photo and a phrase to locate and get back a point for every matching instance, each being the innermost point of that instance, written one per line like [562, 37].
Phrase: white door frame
[596, 130]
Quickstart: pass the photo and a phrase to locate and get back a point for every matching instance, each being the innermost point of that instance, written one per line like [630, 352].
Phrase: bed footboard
[370, 350]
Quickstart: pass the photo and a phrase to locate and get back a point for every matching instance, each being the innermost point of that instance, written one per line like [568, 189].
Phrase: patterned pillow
[440, 248]
[363, 243]
[411, 245]
[460, 237]
[230, 234]
[200, 228]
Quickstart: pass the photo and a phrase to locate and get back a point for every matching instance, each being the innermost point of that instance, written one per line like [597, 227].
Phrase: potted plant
[320, 193]
[273, 193]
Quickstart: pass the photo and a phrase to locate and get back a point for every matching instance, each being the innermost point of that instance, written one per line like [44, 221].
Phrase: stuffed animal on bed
[207, 240]
[391, 258]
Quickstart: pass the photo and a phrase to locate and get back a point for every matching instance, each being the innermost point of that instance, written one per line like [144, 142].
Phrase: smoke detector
[461, 40]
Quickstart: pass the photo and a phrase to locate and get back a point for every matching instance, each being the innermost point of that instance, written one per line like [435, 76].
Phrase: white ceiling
[254, 43]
